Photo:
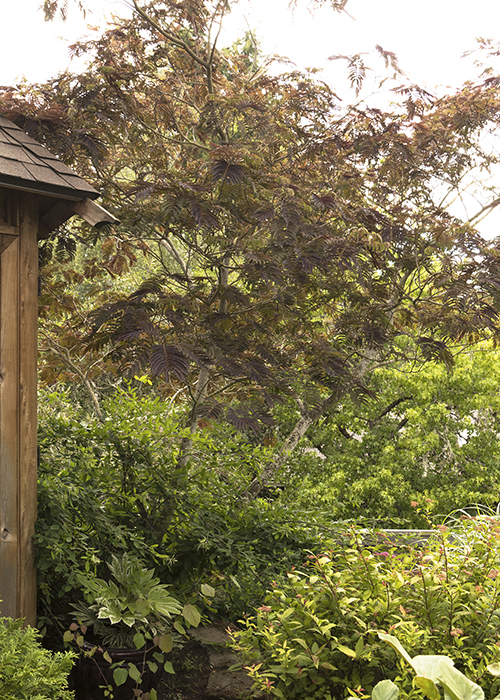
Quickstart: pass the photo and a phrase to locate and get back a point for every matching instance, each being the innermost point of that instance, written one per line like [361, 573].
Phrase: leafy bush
[116, 487]
[316, 635]
[103, 489]
[130, 608]
[27, 670]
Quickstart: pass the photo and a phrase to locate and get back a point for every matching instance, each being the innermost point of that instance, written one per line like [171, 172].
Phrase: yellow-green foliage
[316, 635]
[438, 442]
[27, 670]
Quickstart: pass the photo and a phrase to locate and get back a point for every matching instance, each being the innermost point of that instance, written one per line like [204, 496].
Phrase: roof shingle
[27, 165]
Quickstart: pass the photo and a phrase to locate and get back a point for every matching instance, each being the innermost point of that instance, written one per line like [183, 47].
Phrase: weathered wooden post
[37, 194]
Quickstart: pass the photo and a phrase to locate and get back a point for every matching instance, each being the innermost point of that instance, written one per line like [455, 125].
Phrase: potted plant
[130, 622]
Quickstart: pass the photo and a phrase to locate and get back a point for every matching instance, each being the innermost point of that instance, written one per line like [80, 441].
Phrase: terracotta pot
[90, 673]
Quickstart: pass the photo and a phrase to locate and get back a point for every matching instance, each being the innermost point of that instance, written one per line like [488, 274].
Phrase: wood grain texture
[28, 315]
[9, 230]
[18, 385]
[9, 429]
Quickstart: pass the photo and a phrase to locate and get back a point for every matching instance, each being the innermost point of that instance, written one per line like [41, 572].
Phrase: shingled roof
[27, 165]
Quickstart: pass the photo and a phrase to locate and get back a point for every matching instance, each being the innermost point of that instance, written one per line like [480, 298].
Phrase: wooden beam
[5, 242]
[9, 430]
[93, 213]
[9, 230]
[18, 453]
[28, 318]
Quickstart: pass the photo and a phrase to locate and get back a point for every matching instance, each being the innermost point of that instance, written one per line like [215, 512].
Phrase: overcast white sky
[428, 36]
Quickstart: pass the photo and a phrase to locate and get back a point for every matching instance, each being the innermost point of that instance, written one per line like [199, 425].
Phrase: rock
[223, 684]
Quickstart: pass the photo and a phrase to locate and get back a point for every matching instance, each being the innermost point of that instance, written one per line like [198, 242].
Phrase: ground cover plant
[316, 635]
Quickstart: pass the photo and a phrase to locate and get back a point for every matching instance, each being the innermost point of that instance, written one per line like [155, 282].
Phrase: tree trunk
[205, 374]
[306, 420]
[192, 424]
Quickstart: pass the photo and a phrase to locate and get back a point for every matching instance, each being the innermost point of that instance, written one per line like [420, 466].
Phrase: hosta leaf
[385, 690]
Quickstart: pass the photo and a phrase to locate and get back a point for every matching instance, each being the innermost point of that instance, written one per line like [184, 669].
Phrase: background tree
[292, 244]
[431, 438]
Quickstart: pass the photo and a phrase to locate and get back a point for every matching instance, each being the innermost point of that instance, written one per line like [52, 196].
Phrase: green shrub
[103, 489]
[316, 635]
[27, 670]
[115, 487]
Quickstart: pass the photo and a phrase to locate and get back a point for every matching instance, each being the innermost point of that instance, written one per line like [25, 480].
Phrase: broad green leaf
[68, 636]
[440, 669]
[139, 640]
[300, 641]
[142, 607]
[385, 690]
[168, 667]
[178, 626]
[191, 614]
[165, 643]
[106, 656]
[428, 687]
[328, 666]
[120, 675]
[397, 646]
[134, 673]
[359, 647]
[207, 590]
[494, 669]
[347, 651]
[431, 665]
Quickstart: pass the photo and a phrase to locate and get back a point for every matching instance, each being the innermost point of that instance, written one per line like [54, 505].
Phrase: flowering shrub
[316, 636]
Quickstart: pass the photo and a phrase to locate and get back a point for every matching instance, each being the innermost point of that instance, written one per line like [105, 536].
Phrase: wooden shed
[37, 194]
